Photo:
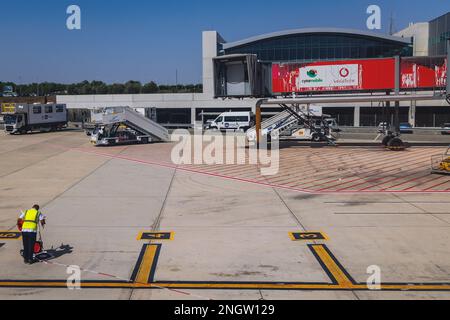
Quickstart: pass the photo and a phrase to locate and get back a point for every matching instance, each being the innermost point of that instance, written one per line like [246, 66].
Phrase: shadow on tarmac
[53, 254]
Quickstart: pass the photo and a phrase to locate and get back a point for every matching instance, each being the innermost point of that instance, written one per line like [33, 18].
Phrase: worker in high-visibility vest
[28, 223]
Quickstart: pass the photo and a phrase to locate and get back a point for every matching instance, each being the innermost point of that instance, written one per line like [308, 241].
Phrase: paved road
[227, 233]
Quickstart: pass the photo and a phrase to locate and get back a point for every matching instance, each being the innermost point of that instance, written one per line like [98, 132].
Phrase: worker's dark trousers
[29, 239]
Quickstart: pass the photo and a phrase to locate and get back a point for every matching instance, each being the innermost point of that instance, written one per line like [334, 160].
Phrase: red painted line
[106, 275]
[379, 164]
[378, 179]
[438, 185]
[310, 159]
[423, 183]
[363, 182]
[405, 182]
[391, 180]
[169, 166]
[236, 170]
[314, 173]
[352, 176]
[177, 291]
[189, 170]
[301, 164]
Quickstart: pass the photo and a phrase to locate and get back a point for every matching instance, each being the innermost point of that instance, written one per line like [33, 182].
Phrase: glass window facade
[439, 32]
[317, 47]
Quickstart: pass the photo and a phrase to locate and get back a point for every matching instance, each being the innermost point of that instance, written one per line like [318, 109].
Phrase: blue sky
[149, 40]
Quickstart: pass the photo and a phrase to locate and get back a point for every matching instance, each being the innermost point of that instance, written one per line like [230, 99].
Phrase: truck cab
[14, 123]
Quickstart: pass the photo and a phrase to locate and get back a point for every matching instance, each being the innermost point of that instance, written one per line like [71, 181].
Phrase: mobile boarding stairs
[290, 119]
[133, 120]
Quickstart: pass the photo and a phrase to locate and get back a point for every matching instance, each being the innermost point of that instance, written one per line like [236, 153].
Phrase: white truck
[24, 118]
[234, 121]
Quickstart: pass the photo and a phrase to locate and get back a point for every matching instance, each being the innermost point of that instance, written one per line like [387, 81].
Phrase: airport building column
[210, 40]
[412, 113]
[357, 119]
[194, 117]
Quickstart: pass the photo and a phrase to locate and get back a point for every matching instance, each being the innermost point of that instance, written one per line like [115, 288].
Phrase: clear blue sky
[148, 40]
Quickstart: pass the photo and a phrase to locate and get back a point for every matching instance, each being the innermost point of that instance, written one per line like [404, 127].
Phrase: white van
[233, 121]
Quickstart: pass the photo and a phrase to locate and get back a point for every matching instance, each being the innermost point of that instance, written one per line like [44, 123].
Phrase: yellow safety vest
[31, 220]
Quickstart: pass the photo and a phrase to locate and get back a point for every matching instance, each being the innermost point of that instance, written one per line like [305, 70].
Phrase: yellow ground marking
[9, 235]
[217, 286]
[157, 236]
[146, 265]
[330, 264]
[309, 236]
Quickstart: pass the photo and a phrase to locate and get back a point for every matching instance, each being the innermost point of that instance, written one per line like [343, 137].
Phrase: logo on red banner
[344, 72]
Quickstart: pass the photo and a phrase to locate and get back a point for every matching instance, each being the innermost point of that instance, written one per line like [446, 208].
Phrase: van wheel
[145, 141]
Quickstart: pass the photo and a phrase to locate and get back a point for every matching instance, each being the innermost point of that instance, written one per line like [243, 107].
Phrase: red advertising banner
[358, 75]
[424, 73]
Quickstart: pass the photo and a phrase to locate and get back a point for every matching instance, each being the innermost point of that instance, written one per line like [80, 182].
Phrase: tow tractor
[117, 134]
[440, 164]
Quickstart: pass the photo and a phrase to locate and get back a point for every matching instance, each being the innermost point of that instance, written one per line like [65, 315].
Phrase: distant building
[429, 38]
[319, 44]
[419, 32]
[439, 33]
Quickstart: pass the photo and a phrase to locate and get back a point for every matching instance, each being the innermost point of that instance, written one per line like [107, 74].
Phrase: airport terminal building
[230, 70]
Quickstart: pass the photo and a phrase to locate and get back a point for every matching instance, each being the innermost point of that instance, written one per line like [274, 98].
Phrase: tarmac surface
[140, 227]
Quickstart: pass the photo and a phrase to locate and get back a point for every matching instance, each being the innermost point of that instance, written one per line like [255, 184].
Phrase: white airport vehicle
[123, 125]
[24, 118]
[236, 121]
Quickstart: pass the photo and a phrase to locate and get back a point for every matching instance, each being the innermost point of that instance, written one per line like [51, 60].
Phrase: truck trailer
[24, 118]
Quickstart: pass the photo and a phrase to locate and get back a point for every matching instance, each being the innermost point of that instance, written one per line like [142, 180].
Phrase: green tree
[150, 87]
[116, 88]
[133, 87]
[99, 87]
